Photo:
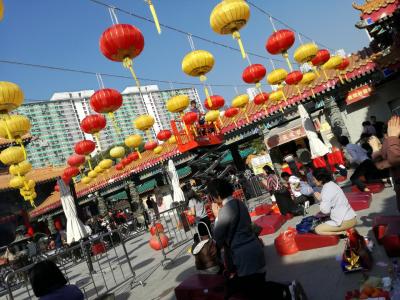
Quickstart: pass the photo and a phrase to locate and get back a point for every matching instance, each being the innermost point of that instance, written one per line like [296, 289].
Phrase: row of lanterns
[13, 127]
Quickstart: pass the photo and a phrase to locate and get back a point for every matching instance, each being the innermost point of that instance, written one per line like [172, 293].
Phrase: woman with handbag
[243, 253]
[281, 193]
[333, 202]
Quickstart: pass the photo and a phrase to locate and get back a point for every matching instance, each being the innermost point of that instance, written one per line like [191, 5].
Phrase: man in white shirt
[365, 167]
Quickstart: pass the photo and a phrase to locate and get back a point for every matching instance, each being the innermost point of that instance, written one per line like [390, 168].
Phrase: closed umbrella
[76, 230]
[317, 147]
[173, 175]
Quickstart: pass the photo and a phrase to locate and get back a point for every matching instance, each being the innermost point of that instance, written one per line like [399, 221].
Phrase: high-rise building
[56, 123]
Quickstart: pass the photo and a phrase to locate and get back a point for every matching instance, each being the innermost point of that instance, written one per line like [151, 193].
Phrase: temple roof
[372, 5]
[361, 64]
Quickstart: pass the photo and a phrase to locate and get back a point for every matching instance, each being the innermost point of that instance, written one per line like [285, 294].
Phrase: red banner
[359, 94]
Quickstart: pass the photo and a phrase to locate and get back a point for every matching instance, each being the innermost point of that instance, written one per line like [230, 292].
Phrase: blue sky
[66, 33]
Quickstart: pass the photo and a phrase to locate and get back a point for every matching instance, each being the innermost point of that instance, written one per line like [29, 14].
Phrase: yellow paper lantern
[21, 169]
[98, 169]
[133, 141]
[172, 140]
[143, 122]
[92, 174]
[12, 156]
[117, 152]
[212, 116]
[308, 78]
[178, 104]
[11, 96]
[305, 53]
[198, 63]
[240, 101]
[1, 9]
[228, 17]
[333, 63]
[17, 182]
[26, 193]
[157, 150]
[86, 180]
[14, 126]
[276, 97]
[277, 76]
[106, 164]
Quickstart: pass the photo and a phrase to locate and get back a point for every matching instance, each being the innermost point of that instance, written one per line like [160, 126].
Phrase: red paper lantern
[254, 73]
[322, 57]
[66, 179]
[71, 172]
[106, 101]
[164, 135]
[155, 242]
[158, 227]
[216, 101]
[92, 124]
[119, 166]
[345, 63]
[76, 160]
[125, 161]
[57, 188]
[261, 98]
[294, 78]
[134, 156]
[84, 147]
[280, 41]
[190, 117]
[231, 112]
[121, 41]
[150, 145]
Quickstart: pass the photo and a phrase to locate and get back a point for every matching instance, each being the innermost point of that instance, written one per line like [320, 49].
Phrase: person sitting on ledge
[333, 202]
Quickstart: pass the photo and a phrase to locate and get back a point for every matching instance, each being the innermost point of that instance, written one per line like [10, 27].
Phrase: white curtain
[317, 147]
[173, 175]
[76, 230]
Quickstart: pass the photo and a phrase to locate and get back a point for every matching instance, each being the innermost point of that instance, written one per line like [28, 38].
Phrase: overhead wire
[64, 69]
[263, 11]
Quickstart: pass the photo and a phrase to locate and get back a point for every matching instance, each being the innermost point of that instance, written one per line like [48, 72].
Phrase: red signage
[358, 94]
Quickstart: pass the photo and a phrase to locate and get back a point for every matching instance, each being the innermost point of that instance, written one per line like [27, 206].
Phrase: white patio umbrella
[173, 175]
[317, 147]
[76, 230]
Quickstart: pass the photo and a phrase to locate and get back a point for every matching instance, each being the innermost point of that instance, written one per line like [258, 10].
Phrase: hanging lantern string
[300, 39]
[272, 23]
[248, 60]
[191, 43]
[236, 90]
[113, 15]
[211, 91]
[100, 80]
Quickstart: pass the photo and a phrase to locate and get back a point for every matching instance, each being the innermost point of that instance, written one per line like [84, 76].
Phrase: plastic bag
[285, 243]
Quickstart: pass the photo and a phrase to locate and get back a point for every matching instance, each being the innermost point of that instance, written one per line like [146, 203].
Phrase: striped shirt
[271, 182]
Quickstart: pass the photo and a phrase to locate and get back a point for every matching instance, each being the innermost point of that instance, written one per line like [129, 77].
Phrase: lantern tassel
[298, 90]
[154, 14]
[209, 102]
[340, 77]
[286, 56]
[326, 76]
[236, 36]
[32, 202]
[138, 152]
[128, 63]
[148, 135]
[114, 122]
[313, 94]
[316, 71]
[21, 144]
[97, 138]
[89, 163]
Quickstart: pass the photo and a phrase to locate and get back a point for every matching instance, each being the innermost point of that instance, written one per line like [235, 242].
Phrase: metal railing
[177, 227]
[96, 265]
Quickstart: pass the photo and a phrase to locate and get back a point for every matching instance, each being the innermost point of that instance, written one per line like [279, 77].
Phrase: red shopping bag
[285, 243]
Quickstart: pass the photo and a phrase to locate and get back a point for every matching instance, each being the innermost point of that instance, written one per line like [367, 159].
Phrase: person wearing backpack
[245, 265]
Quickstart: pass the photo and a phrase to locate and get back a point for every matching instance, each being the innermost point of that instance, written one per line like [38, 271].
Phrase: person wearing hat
[302, 192]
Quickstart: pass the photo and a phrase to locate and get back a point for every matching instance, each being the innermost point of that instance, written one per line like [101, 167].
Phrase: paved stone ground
[318, 270]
